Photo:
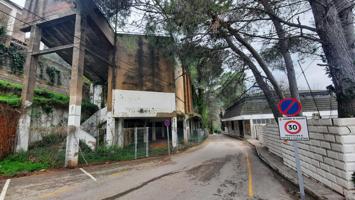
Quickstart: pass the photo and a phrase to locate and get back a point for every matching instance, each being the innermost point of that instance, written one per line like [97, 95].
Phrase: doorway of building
[241, 129]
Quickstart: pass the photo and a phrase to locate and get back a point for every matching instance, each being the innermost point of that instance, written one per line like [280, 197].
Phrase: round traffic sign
[293, 127]
[167, 123]
[290, 107]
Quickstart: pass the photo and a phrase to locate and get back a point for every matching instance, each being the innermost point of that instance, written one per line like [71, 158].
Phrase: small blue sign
[167, 122]
[290, 107]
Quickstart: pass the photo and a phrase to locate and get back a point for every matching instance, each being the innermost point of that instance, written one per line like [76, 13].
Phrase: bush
[48, 153]
[48, 141]
[10, 95]
[11, 100]
[103, 154]
[19, 163]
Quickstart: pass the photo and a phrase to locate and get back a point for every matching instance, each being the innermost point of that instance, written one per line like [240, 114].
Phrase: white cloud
[19, 2]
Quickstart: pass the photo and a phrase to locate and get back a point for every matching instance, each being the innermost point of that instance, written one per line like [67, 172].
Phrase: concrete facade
[46, 123]
[134, 65]
[10, 22]
[329, 156]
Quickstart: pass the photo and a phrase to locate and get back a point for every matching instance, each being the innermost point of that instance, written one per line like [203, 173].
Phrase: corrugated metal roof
[259, 105]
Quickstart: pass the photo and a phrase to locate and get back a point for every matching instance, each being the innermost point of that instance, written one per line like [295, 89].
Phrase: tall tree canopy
[266, 34]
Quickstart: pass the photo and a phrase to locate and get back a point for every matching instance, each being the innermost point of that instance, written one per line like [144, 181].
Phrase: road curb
[312, 187]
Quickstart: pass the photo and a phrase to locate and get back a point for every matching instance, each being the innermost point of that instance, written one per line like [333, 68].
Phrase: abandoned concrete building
[53, 73]
[243, 118]
[137, 83]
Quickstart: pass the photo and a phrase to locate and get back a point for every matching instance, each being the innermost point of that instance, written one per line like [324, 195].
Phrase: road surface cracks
[209, 169]
[216, 170]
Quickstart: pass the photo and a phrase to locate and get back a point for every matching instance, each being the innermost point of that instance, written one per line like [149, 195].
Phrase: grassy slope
[10, 94]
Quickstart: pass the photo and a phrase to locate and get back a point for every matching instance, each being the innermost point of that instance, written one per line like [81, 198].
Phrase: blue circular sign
[167, 122]
[290, 107]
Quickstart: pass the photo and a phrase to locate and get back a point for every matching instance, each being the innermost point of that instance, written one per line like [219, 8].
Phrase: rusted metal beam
[53, 50]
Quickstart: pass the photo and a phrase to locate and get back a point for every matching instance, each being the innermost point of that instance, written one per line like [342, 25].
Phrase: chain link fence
[142, 142]
[195, 137]
[139, 142]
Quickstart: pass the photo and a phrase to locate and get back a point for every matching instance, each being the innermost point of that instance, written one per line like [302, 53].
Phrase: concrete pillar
[29, 82]
[174, 136]
[252, 130]
[97, 95]
[120, 133]
[226, 127]
[163, 130]
[110, 129]
[110, 125]
[76, 90]
[154, 132]
[11, 23]
[186, 130]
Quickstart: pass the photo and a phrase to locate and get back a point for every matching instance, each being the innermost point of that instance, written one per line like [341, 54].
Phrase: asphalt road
[220, 168]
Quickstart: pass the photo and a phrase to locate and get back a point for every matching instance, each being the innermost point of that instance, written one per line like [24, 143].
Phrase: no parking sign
[293, 128]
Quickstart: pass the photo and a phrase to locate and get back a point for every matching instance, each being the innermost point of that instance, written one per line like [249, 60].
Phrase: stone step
[87, 138]
[92, 123]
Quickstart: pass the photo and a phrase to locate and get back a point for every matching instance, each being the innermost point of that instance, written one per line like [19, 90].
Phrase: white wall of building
[130, 104]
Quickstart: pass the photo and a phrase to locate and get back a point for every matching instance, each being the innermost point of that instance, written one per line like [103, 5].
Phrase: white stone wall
[258, 130]
[328, 157]
[272, 139]
[46, 123]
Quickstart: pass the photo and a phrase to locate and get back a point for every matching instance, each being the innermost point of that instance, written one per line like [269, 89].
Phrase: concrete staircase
[89, 129]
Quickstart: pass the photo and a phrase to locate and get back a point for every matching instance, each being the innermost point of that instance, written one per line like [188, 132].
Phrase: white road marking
[87, 173]
[4, 189]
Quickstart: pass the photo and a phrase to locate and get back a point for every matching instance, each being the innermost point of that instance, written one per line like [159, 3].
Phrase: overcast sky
[19, 2]
[316, 75]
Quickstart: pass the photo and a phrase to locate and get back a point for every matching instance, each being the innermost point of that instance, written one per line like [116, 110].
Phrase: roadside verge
[312, 187]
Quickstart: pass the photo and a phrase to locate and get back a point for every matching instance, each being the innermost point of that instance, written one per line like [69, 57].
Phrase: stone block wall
[329, 156]
[258, 130]
[45, 123]
[272, 139]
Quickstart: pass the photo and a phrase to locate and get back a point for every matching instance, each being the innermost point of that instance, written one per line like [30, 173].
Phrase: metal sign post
[294, 129]
[147, 142]
[135, 142]
[167, 124]
[299, 170]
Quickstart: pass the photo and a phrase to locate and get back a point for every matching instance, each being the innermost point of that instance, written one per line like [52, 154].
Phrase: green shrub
[10, 95]
[11, 168]
[103, 154]
[48, 153]
[9, 87]
[48, 141]
[11, 100]
[19, 163]
[16, 56]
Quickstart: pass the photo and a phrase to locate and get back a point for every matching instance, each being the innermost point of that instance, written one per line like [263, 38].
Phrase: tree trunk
[338, 54]
[259, 59]
[258, 77]
[200, 91]
[345, 12]
[284, 49]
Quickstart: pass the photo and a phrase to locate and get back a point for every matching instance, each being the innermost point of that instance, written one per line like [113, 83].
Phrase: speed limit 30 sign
[293, 128]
